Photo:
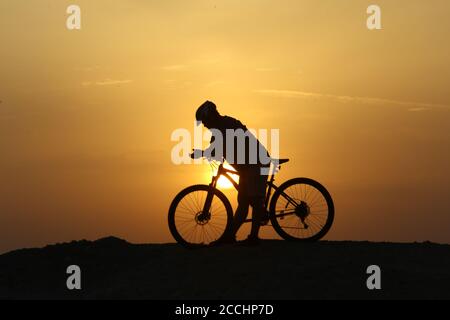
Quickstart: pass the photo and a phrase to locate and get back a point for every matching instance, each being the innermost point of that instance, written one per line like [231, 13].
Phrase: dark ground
[114, 268]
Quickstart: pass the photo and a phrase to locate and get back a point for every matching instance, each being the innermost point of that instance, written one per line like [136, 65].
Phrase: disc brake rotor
[202, 218]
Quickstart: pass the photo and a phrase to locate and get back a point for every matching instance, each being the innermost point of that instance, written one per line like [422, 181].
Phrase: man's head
[207, 114]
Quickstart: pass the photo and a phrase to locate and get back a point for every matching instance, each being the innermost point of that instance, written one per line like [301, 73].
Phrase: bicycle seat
[280, 161]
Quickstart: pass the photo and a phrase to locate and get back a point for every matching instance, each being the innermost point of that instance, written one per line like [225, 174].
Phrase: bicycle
[300, 209]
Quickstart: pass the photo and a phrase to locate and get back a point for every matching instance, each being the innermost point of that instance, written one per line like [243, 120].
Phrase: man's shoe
[250, 241]
[223, 241]
[265, 218]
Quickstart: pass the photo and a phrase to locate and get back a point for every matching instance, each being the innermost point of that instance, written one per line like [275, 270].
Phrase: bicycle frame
[222, 171]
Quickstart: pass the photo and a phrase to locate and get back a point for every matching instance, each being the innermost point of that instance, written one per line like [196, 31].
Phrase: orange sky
[86, 116]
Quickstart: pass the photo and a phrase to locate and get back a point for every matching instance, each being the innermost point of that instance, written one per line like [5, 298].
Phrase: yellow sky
[86, 116]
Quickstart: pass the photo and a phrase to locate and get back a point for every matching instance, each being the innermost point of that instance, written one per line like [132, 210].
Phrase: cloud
[175, 67]
[289, 93]
[106, 82]
[267, 69]
[414, 106]
[418, 109]
[87, 69]
[193, 63]
[214, 83]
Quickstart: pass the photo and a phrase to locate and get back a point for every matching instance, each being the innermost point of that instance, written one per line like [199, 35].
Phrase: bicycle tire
[307, 182]
[173, 211]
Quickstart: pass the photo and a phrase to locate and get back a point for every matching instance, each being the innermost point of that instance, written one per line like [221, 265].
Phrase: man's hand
[196, 154]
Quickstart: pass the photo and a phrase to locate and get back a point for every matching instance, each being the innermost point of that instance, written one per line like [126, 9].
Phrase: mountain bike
[300, 209]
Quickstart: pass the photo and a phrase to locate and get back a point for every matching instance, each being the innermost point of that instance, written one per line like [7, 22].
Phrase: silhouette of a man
[247, 159]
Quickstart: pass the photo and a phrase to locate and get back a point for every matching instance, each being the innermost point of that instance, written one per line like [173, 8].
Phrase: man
[247, 157]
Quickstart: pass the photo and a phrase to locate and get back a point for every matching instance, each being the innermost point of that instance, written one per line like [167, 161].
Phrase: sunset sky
[86, 115]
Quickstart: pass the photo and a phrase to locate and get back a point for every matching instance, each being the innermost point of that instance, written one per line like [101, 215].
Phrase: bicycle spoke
[191, 230]
[189, 203]
[289, 220]
[316, 198]
[195, 231]
[215, 230]
[192, 201]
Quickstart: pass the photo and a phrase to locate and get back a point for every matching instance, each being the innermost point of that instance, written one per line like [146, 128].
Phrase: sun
[224, 183]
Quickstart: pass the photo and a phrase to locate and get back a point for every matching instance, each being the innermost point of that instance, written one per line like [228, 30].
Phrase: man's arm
[196, 154]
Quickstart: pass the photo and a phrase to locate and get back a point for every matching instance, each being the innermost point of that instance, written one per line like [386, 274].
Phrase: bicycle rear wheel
[190, 226]
[301, 210]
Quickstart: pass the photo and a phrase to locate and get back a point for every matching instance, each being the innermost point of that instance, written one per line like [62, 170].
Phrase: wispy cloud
[414, 106]
[87, 68]
[175, 67]
[267, 69]
[214, 83]
[109, 82]
[106, 82]
[418, 109]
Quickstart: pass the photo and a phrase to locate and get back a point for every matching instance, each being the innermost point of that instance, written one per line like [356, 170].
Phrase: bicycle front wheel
[190, 226]
[302, 210]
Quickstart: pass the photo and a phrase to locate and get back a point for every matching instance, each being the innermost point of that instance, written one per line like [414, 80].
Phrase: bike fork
[209, 198]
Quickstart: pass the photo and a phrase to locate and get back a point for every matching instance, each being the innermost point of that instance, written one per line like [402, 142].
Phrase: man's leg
[257, 202]
[238, 219]
[257, 214]
[243, 204]
[241, 213]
